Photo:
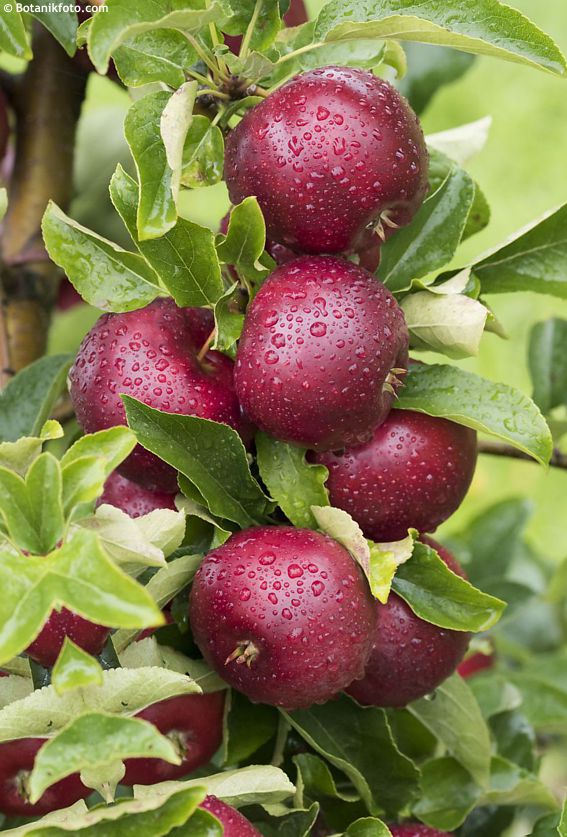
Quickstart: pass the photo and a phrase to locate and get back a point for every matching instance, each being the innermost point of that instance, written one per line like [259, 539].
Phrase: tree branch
[47, 102]
[558, 459]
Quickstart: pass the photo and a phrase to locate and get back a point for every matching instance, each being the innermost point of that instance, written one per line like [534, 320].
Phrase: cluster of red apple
[335, 158]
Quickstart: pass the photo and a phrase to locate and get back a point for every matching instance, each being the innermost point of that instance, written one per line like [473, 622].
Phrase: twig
[558, 459]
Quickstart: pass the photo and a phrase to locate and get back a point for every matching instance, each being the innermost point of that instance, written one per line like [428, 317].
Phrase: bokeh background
[523, 172]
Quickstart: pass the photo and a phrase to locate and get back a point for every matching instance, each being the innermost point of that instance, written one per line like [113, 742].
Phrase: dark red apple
[475, 663]
[152, 355]
[232, 821]
[284, 615]
[328, 155]
[133, 498]
[323, 348]
[87, 635]
[414, 472]
[410, 657]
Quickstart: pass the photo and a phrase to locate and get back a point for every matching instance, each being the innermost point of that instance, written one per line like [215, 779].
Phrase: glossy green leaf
[432, 237]
[438, 595]
[497, 409]
[13, 36]
[383, 561]
[441, 165]
[454, 718]
[80, 576]
[203, 154]
[159, 55]
[245, 240]
[123, 692]
[157, 211]
[32, 508]
[548, 363]
[368, 827]
[62, 24]
[105, 275]
[349, 737]
[209, 454]
[452, 324]
[294, 483]
[184, 258]
[93, 741]
[249, 726]
[125, 20]
[429, 68]
[449, 793]
[265, 26]
[315, 780]
[229, 320]
[485, 27]
[111, 446]
[83, 482]
[75, 669]
[28, 398]
[536, 260]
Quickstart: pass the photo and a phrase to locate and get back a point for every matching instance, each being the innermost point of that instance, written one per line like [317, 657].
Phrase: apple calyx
[244, 653]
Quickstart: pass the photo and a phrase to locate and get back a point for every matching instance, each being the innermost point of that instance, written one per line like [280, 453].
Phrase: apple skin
[87, 635]
[414, 472]
[194, 723]
[475, 663]
[16, 763]
[415, 829]
[326, 155]
[232, 821]
[410, 657]
[295, 602]
[133, 498]
[151, 354]
[318, 344]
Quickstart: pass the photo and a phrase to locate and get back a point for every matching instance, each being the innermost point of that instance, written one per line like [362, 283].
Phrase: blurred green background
[523, 172]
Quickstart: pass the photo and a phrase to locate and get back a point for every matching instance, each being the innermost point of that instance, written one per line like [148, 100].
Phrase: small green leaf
[338, 524]
[28, 398]
[485, 27]
[438, 595]
[548, 363]
[175, 122]
[245, 240]
[536, 260]
[83, 482]
[368, 827]
[185, 258]
[295, 484]
[315, 780]
[160, 55]
[229, 320]
[111, 446]
[75, 669]
[431, 239]
[463, 142]
[266, 23]
[13, 36]
[62, 24]
[383, 561]
[157, 212]
[497, 409]
[455, 719]
[349, 737]
[452, 324]
[211, 455]
[203, 154]
[105, 275]
[92, 742]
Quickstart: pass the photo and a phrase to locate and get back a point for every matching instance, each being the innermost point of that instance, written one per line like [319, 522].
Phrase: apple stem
[206, 345]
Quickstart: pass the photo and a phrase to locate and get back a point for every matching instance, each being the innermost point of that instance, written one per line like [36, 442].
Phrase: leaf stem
[244, 47]
[558, 459]
[300, 51]
[205, 57]
[199, 77]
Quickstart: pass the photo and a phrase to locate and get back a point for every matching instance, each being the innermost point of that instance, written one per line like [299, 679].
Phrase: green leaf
[229, 320]
[105, 275]
[245, 240]
[75, 669]
[511, 785]
[32, 508]
[149, 653]
[544, 702]
[266, 24]
[79, 576]
[258, 784]
[62, 25]
[28, 398]
[176, 120]
[159, 55]
[315, 780]
[368, 827]
[185, 258]
[349, 737]
[536, 260]
[124, 692]
[249, 727]
[429, 68]
[454, 718]
[13, 36]
[441, 597]
[485, 27]
[464, 141]
[548, 363]
[203, 154]
[91, 743]
[83, 482]
[209, 454]
[295, 484]
[157, 211]
[384, 560]
[497, 409]
[111, 446]
[431, 239]
[451, 323]
[449, 793]
[125, 20]
[494, 694]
